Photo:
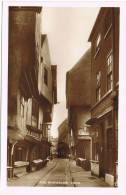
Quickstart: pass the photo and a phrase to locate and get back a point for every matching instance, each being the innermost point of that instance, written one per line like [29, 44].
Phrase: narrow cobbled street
[62, 127]
[59, 172]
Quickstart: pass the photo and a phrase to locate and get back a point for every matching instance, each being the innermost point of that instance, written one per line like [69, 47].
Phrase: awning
[106, 111]
[91, 121]
[20, 163]
[31, 128]
[32, 139]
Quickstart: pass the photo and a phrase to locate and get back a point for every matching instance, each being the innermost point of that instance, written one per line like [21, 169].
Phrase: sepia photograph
[63, 87]
[62, 104]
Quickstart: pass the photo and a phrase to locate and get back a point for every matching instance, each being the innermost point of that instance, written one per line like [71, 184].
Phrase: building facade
[54, 143]
[78, 93]
[63, 140]
[30, 91]
[104, 40]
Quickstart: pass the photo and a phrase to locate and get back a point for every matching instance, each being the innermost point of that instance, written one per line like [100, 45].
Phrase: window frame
[98, 86]
[109, 64]
[97, 44]
[98, 40]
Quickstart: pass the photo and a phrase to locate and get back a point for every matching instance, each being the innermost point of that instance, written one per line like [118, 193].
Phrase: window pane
[98, 78]
[109, 63]
[109, 81]
[98, 94]
[98, 40]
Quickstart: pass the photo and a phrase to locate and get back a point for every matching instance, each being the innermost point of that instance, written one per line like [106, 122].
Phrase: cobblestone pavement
[82, 178]
[59, 172]
[31, 179]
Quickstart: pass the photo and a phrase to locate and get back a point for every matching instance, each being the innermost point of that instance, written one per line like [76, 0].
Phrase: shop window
[109, 72]
[19, 154]
[45, 76]
[98, 86]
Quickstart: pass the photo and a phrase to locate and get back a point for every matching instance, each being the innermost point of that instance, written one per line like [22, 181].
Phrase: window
[19, 154]
[22, 111]
[35, 111]
[98, 40]
[41, 59]
[98, 86]
[98, 94]
[22, 107]
[35, 107]
[45, 130]
[45, 76]
[97, 44]
[109, 71]
[98, 78]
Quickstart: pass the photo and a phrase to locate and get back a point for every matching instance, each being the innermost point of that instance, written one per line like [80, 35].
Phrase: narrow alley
[63, 115]
[59, 172]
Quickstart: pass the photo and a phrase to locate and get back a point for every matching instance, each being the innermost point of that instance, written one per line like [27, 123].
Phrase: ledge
[81, 159]
[94, 161]
[20, 164]
[37, 161]
[103, 97]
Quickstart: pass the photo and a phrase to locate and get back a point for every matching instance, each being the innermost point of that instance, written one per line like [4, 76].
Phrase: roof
[78, 82]
[26, 8]
[98, 20]
[63, 124]
[63, 127]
